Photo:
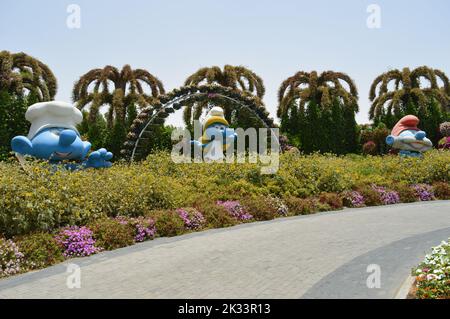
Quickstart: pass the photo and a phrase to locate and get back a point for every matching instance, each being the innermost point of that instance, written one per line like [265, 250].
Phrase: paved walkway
[323, 255]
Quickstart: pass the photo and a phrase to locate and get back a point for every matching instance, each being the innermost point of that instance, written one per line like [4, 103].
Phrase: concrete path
[325, 255]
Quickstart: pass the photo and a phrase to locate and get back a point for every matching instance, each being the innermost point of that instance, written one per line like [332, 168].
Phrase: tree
[238, 78]
[396, 93]
[320, 110]
[24, 80]
[132, 90]
[24, 75]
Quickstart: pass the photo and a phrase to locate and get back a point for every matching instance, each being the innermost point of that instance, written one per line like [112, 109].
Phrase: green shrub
[45, 200]
[299, 206]
[260, 208]
[11, 259]
[40, 250]
[371, 197]
[332, 199]
[215, 215]
[441, 190]
[168, 223]
[111, 234]
[406, 193]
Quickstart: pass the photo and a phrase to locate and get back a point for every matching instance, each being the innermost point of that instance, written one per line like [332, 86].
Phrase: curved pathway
[324, 255]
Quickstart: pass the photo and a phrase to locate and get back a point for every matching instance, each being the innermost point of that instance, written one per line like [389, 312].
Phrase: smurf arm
[22, 145]
[197, 143]
[98, 159]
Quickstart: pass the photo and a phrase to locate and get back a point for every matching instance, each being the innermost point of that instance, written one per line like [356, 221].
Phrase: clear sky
[172, 39]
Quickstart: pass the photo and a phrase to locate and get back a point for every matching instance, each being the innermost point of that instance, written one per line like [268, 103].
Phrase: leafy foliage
[237, 78]
[24, 80]
[22, 74]
[40, 250]
[111, 234]
[132, 90]
[318, 111]
[396, 93]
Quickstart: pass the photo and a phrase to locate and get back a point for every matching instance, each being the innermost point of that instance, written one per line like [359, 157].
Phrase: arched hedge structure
[156, 113]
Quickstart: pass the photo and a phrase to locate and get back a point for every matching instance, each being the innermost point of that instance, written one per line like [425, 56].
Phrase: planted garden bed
[47, 216]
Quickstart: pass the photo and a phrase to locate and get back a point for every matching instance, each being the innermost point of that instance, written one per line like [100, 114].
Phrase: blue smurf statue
[408, 138]
[53, 136]
[217, 136]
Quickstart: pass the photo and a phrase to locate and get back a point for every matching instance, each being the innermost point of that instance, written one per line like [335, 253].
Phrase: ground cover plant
[74, 214]
[433, 274]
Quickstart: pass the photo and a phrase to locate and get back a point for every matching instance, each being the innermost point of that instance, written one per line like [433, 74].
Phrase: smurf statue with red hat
[408, 138]
[53, 136]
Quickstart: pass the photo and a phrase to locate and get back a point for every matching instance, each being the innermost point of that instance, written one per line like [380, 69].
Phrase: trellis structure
[156, 113]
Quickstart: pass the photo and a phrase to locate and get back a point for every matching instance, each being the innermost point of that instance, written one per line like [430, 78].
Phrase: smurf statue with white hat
[217, 136]
[53, 136]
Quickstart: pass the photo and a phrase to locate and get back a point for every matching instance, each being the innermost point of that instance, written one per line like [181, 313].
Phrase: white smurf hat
[52, 114]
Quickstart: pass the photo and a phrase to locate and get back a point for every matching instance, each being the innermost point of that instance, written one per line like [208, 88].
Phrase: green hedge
[44, 199]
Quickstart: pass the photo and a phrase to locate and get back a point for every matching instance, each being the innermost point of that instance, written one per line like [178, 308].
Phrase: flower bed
[75, 214]
[433, 274]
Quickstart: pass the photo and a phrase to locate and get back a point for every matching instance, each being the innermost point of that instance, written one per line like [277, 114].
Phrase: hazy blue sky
[172, 39]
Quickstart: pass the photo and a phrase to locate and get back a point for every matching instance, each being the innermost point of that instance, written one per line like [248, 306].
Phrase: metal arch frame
[185, 97]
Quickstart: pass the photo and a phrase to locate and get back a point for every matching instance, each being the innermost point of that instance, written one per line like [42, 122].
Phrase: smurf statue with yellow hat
[53, 136]
[217, 135]
[408, 138]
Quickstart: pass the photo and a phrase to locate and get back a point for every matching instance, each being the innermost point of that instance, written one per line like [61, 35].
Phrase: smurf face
[218, 129]
[59, 144]
[410, 140]
[54, 143]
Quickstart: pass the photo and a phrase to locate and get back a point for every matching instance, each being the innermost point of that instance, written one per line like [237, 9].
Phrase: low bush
[387, 197]
[236, 210]
[167, 223]
[441, 190]
[423, 192]
[216, 216]
[352, 199]
[192, 218]
[110, 233]
[371, 196]
[433, 274]
[407, 193]
[44, 199]
[77, 241]
[299, 206]
[331, 199]
[259, 208]
[11, 259]
[40, 250]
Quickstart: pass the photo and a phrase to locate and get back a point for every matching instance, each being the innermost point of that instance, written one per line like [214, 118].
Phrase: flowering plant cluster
[280, 206]
[423, 191]
[11, 259]
[354, 199]
[192, 218]
[235, 209]
[77, 241]
[386, 196]
[144, 227]
[433, 274]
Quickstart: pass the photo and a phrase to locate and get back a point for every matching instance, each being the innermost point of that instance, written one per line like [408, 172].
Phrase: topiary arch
[174, 100]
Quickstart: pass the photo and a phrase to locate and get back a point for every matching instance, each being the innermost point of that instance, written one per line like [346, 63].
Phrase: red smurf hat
[408, 122]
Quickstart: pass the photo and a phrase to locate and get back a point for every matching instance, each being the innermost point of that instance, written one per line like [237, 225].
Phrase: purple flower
[387, 197]
[355, 198]
[235, 209]
[192, 218]
[144, 227]
[11, 259]
[423, 191]
[77, 241]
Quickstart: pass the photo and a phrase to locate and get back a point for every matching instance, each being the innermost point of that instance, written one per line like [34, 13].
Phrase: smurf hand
[99, 159]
